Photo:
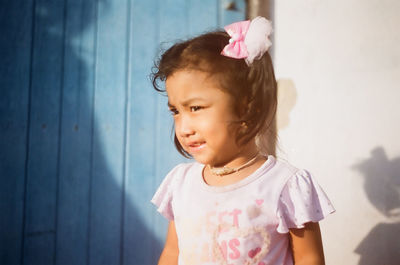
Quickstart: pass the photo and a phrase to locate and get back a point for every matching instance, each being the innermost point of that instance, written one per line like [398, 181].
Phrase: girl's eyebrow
[189, 101]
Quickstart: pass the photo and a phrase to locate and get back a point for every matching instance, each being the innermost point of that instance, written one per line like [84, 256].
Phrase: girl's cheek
[176, 121]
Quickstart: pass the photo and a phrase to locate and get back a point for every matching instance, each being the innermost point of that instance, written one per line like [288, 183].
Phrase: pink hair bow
[236, 47]
[249, 39]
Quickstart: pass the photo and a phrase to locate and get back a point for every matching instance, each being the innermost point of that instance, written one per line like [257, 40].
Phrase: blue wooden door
[85, 140]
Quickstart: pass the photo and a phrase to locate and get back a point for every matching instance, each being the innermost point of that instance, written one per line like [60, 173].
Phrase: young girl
[237, 204]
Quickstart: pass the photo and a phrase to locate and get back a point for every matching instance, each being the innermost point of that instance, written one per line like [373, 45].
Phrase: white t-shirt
[243, 223]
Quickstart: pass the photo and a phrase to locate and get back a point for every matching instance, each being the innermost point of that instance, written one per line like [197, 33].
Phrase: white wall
[338, 65]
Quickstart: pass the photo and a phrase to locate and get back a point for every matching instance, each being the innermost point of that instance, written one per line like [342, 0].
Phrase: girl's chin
[205, 161]
[201, 159]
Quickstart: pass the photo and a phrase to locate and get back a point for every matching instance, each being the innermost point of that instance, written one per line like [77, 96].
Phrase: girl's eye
[195, 108]
[174, 111]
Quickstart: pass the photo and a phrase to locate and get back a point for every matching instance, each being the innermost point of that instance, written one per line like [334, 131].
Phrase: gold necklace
[222, 171]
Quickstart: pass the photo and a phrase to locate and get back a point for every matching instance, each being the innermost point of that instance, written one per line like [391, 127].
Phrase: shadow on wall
[382, 187]
[84, 227]
[287, 97]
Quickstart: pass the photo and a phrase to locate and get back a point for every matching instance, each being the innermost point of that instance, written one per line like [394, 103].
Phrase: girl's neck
[246, 154]
[242, 156]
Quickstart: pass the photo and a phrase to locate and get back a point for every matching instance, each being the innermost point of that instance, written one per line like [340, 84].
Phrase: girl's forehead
[191, 80]
[187, 75]
[184, 85]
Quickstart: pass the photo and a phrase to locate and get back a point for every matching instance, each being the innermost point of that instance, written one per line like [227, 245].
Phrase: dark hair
[253, 88]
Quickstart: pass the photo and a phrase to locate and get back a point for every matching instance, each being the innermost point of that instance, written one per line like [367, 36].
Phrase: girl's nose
[184, 127]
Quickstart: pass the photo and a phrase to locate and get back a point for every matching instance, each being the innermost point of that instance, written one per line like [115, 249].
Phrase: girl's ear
[243, 128]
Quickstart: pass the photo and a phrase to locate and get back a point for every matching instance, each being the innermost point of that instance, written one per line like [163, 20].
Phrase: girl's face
[203, 116]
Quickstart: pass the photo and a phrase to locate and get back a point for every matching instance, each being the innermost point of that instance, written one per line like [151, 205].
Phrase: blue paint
[85, 140]
[44, 134]
[15, 24]
[77, 128]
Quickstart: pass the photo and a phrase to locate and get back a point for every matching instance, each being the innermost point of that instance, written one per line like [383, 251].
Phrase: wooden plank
[108, 136]
[15, 54]
[41, 203]
[76, 142]
[173, 17]
[231, 11]
[203, 16]
[138, 237]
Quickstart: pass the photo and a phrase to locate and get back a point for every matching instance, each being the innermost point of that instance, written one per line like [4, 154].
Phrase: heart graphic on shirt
[256, 254]
[259, 202]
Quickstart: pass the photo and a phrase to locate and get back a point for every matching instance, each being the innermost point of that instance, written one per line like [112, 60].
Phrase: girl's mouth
[195, 146]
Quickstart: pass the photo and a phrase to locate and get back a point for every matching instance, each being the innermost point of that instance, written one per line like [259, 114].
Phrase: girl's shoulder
[279, 172]
[165, 192]
[294, 178]
[301, 199]
[283, 167]
[290, 173]
[179, 173]
[183, 169]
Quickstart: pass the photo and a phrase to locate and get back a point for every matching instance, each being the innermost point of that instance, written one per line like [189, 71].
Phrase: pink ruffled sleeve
[164, 195]
[302, 200]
